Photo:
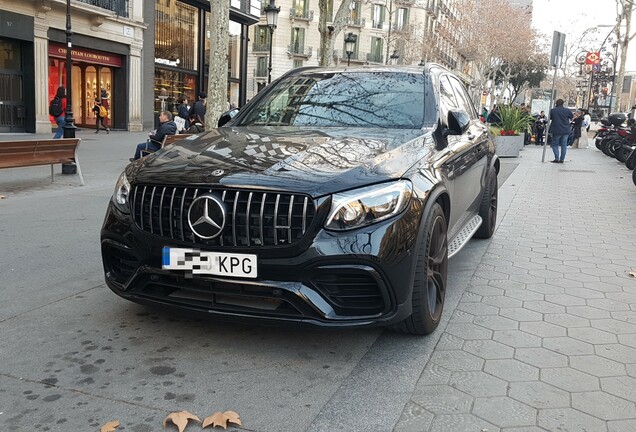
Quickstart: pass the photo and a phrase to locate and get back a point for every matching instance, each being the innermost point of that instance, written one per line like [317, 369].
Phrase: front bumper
[356, 278]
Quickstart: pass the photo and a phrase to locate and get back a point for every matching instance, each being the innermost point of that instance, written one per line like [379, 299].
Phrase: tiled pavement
[544, 338]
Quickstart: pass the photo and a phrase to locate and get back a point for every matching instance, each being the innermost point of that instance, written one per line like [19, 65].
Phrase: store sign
[85, 55]
[167, 62]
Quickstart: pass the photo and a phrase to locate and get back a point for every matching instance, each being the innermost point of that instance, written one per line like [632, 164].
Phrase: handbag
[180, 122]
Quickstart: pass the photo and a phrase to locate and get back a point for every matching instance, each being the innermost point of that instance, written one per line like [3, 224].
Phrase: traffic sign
[593, 58]
[580, 57]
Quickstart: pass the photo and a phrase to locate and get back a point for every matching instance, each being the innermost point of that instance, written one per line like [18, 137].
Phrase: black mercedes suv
[335, 197]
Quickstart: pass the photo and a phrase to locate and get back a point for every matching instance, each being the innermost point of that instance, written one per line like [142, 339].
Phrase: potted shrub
[508, 132]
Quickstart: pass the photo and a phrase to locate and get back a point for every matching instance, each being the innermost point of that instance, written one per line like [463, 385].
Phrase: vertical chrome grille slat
[276, 219]
[289, 219]
[185, 190]
[196, 192]
[236, 197]
[134, 202]
[305, 215]
[261, 220]
[171, 210]
[223, 200]
[141, 209]
[247, 221]
[163, 192]
[152, 201]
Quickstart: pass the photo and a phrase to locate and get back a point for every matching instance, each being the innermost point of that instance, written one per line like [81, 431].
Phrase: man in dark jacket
[198, 109]
[166, 127]
[560, 118]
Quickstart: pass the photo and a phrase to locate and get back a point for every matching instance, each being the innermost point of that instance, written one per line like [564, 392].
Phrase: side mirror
[458, 122]
[227, 116]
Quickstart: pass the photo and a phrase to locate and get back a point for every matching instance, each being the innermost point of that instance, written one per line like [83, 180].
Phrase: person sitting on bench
[166, 127]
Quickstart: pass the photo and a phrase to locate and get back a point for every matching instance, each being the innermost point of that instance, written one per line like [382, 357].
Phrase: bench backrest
[170, 139]
[15, 154]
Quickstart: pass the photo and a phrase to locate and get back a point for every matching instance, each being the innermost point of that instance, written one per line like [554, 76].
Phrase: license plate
[211, 263]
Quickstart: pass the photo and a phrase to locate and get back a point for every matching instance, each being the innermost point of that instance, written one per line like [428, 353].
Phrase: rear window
[355, 99]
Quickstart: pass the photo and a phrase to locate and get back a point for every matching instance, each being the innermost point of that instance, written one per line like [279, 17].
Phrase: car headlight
[122, 190]
[366, 206]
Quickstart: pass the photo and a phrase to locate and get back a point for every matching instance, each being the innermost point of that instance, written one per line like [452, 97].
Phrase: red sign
[593, 58]
[85, 55]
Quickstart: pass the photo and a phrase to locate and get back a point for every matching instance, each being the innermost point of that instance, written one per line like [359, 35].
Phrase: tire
[631, 162]
[634, 177]
[622, 153]
[429, 283]
[613, 146]
[488, 207]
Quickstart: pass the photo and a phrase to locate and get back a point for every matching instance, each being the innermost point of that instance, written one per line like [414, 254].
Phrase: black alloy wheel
[431, 272]
[623, 153]
[613, 146]
[630, 163]
[488, 207]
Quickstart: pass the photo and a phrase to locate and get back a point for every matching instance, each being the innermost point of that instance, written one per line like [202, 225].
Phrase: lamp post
[394, 57]
[271, 14]
[350, 43]
[69, 128]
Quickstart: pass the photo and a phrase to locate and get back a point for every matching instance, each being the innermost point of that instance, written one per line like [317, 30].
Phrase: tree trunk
[217, 81]
[624, 45]
[328, 32]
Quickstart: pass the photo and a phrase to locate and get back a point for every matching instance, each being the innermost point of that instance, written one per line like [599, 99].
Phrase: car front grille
[253, 218]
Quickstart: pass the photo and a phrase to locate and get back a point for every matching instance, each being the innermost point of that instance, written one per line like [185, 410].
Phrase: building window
[176, 34]
[298, 63]
[401, 18]
[377, 48]
[261, 38]
[355, 11]
[261, 67]
[378, 16]
[301, 7]
[297, 41]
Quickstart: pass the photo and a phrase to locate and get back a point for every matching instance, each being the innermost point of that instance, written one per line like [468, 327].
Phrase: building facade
[106, 54]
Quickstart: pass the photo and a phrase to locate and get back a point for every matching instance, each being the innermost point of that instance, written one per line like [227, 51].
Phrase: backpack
[103, 112]
[55, 108]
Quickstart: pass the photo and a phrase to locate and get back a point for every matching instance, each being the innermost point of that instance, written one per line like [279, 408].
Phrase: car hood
[286, 158]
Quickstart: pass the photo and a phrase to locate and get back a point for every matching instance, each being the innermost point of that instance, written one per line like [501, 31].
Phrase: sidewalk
[544, 338]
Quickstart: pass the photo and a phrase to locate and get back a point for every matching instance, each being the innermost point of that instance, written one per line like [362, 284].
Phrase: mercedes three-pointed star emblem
[206, 217]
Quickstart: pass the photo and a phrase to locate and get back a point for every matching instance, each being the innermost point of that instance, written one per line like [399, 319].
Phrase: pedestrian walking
[560, 118]
[57, 110]
[184, 113]
[166, 127]
[585, 126]
[199, 107]
[101, 113]
[104, 99]
[577, 122]
[540, 124]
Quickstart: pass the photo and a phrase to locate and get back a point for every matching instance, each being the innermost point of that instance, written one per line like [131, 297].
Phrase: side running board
[464, 235]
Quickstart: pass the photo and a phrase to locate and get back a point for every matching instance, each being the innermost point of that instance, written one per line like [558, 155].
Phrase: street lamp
[350, 43]
[394, 57]
[271, 14]
[69, 128]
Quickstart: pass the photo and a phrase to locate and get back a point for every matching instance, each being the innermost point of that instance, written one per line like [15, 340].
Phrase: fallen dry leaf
[632, 274]
[3, 196]
[110, 426]
[222, 419]
[180, 419]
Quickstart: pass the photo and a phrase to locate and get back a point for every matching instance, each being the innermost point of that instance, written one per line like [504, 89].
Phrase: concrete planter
[508, 146]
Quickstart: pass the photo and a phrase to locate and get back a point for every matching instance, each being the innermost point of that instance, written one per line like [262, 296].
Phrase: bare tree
[624, 10]
[217, 79]
[330, 27]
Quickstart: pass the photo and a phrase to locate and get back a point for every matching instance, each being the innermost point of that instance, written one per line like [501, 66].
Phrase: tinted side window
[463, 98]
[447, 99]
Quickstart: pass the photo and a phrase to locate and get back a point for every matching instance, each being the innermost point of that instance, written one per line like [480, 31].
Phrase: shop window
[10, 55]
[176, 34]
[170, 86]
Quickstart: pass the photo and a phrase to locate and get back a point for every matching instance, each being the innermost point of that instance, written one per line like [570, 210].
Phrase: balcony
[402, 27]
[120, 7]
[296, 50]
[299, 14]
[356, 22]
[260, 47]
[375, 58]
[356, 57]
[377, 24]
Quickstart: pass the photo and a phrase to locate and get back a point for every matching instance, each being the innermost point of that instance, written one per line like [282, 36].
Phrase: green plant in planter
[512, 121]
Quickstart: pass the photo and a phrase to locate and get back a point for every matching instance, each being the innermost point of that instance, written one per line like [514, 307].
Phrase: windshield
[354, 99]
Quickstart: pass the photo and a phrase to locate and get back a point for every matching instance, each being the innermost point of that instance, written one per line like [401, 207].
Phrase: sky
[572, 17]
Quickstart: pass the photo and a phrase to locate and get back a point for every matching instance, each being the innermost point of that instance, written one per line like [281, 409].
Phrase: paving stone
[524, 429]
[459, 316]
[478, 384]
[517, 338]
[520, 314]
[448, 341]
[581, 277]
[496, 323]
[461, 422]
[433, 374]
[547, 274]
[505, 412]
[544, 307]
[546, 261]
[598, 272]
[511, 370]
[564, 269]
[627, 316]
[569, 420]
[588, 312]
[527, 279]
[584, 293]
[565, 300]
[592, 335]
[541, 357]
[565, 282]
[621, 386]
[545, 288]
[414, 418]
[488, 349]
[628, 339]
[470, 297]
[542, 329]
[570, 379]
[529, 265]
[469, 331]
[568, 346]
[485, 290]
[501, 301]
[625, 297]
[614, 326]
[507, 284]
[457, 360]
[442, 399]
[602, 286]
[597, 365]
[603, 405]
[538, 394]
[621, 425]
[617, 352]
[566, 320]
[608, 305]
[580, 264]
[478, 308]
[523, 294]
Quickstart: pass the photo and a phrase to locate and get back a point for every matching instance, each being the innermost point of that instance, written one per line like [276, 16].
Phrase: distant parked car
[334, 198]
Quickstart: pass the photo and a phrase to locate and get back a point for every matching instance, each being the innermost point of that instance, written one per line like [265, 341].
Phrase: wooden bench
[167, 140]
[15, 154]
